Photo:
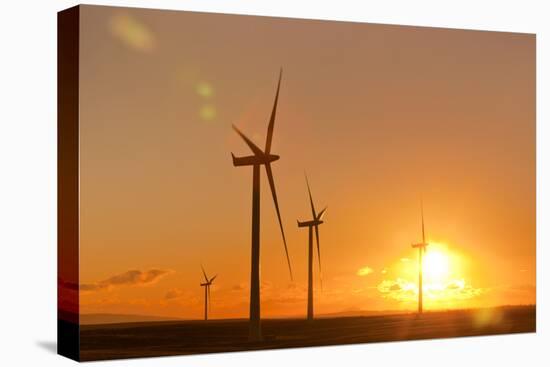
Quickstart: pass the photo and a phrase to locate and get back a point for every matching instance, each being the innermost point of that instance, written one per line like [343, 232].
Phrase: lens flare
[132, 33]
[208, 112]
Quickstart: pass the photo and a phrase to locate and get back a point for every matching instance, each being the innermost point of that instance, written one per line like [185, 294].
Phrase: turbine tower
[421, 250]
[207, 283]
[313, 223]
[258, 159]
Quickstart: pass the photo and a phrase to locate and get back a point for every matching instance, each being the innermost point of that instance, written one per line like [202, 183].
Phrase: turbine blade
[251, 145]
[272, 119]
[319, 255]
[214, 277]
[311, 200]
[322, 213]
[274, 193]
[204, 273]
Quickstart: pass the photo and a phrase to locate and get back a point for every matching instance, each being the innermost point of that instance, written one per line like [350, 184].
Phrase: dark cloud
[129, 278]
[173, 294]
[239, 287]
[395, 287]
[398, 289]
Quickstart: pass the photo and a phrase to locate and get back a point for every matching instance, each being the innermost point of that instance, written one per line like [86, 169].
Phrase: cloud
[398, 289]
[395, 287]
[174, 293]
[292, 293]
[129, 278]
[266, 285]
[364, 271]
[452, 290]
[458, 289]
[239, 287]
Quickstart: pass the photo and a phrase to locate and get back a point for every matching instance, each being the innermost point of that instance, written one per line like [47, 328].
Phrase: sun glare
[436, 265]
[445, 282]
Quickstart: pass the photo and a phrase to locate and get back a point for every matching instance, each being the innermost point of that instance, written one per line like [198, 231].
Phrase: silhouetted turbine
[314, 223]
[258, 159]
[421, 250]
[207, 283]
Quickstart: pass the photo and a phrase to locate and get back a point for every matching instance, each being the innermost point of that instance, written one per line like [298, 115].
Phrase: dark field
[190, 337]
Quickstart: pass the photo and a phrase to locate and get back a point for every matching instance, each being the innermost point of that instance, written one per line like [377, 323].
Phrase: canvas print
[235, 183]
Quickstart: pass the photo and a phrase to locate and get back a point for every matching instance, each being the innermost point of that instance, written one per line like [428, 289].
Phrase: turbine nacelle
[420, 245]
[208, 281]
[310, 223]
[256, 159]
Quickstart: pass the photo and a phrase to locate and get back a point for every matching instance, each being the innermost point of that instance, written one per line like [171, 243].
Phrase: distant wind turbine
[421, 250]
[314, 223]
[207, 283]
[260, 157]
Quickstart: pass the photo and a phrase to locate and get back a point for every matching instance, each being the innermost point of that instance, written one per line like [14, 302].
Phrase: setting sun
[446, 279]
[436, 265]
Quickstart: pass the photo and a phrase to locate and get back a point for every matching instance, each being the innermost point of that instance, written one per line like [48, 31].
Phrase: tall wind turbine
[313, 223]
[207, 283]
[421, 250]
[259, 158]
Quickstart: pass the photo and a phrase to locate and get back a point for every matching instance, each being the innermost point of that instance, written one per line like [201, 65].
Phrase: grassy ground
[162, 338]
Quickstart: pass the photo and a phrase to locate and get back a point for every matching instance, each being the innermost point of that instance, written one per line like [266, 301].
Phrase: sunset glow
[378, 116]
[445, 279]
[436, 265]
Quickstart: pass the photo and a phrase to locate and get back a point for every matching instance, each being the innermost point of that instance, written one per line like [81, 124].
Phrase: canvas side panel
[68, 34]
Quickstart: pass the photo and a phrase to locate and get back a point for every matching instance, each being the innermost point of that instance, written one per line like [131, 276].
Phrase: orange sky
[378, 116]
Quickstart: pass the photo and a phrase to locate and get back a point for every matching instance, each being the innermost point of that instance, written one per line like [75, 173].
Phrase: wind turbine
[421, 250]
[207, 283]
[259, 158]
[314, 223]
